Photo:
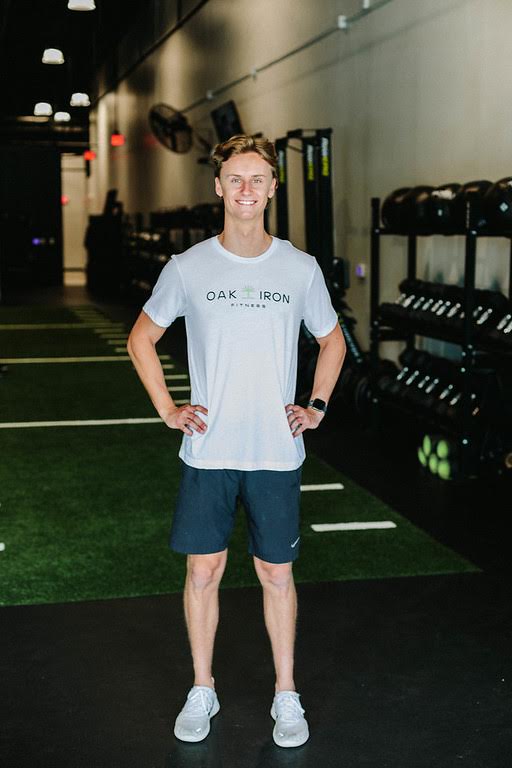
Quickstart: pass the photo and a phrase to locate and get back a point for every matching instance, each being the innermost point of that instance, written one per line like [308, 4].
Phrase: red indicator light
[64, 199]
[89, 154]
[117, 139]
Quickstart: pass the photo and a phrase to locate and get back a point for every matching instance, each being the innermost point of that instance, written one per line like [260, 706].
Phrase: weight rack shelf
[465, 332]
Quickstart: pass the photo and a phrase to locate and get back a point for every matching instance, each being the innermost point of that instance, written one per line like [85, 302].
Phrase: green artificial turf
[85, 511]
[42, 314]
[105, 390]
[85, 514]
[57, 343]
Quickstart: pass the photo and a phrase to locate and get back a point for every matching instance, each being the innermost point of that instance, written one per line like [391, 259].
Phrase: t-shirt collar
[245, 259]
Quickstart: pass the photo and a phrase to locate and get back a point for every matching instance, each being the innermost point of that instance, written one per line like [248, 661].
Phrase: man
[243, 295]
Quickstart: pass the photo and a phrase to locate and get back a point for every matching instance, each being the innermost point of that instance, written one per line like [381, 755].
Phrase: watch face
[319, 405]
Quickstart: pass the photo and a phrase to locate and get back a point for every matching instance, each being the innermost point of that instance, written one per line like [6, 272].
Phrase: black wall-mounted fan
[172, 129]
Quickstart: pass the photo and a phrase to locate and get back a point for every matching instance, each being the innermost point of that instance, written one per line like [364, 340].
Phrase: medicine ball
[392, 213]
[417, 208]
[498, 205]
[476, 191]
[443, 212]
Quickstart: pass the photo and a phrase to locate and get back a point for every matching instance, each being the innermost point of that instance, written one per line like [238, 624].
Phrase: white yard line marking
[323, 487]
[98, 359]
[178, 389]
[55, 326]
[176, 376]
[378, 525]
[77, 423]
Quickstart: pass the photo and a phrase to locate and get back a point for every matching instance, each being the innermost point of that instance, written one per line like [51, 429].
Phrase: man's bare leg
[280, 610]
[201, 603]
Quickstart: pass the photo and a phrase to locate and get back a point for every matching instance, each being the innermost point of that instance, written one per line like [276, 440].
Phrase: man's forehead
[249, 162]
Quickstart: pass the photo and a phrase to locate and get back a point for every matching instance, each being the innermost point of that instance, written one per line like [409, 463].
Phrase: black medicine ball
[498, 205]
[474, 191]
[443, 210]
[393, 215]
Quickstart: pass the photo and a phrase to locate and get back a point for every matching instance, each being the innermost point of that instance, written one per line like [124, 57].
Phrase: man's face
[245, 183]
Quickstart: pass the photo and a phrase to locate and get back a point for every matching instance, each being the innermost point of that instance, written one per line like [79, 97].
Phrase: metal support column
[282, 222]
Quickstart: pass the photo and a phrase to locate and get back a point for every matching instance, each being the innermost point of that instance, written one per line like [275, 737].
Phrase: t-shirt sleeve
[168, 299]
[319, 315]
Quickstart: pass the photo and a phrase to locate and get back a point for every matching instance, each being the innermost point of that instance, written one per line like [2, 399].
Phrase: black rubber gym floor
[405, 673]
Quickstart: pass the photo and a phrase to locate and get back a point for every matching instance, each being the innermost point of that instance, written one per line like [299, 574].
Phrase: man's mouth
[246, 202]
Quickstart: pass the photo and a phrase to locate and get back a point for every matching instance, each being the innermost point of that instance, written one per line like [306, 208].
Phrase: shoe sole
[188, 738]
[282, 743]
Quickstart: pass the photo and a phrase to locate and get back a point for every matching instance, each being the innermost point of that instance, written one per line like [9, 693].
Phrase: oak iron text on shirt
[248, 293]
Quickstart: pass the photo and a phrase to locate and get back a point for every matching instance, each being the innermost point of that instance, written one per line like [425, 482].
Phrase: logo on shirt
[248, 294]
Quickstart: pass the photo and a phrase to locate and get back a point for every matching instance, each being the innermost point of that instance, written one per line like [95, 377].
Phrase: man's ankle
[286, 687]
[206, 682]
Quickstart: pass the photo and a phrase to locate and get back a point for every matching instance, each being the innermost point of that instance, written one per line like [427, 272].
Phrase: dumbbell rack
[470, 346]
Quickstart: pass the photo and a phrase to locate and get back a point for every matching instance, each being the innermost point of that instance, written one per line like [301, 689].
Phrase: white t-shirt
[242, 319]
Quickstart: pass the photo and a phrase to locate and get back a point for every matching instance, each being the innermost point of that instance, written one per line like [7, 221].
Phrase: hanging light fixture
[81, 5]
[80, 100]
[62, 117]
[117, 139]
[43, 109]
[53, 56]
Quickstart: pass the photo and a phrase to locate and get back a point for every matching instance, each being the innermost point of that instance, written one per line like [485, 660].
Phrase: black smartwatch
[318, 405]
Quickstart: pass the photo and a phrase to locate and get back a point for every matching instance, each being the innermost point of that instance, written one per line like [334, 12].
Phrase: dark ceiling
[27, 27]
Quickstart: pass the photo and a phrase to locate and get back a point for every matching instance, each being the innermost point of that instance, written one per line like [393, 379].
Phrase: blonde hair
[241, 144]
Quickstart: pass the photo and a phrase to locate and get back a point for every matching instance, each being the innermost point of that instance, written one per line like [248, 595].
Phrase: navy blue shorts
[206, 507]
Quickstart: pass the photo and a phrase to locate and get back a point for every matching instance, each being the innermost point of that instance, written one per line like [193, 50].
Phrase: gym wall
[415, 93]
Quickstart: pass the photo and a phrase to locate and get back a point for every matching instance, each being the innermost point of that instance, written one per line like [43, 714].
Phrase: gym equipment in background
[104, 244]
[498, 205]
[441, 210]
[316, 149]
[148, 248]
[466, 400]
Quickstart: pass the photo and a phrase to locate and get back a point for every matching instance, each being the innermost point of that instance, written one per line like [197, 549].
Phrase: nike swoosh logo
[295, 542]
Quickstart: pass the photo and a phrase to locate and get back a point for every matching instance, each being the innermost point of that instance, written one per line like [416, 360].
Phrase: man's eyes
[257, 180]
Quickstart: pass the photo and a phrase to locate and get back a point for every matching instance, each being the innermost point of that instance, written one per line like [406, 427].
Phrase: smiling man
[243, 295]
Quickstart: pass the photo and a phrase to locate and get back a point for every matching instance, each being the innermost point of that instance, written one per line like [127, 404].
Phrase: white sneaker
[291, 728]
[193, 722]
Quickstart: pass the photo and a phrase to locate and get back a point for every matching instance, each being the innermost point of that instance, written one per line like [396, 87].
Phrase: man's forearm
[328, 367]
[147, 364]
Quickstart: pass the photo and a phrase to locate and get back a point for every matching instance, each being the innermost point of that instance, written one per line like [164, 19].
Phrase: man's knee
[277, 576]
[205, 571]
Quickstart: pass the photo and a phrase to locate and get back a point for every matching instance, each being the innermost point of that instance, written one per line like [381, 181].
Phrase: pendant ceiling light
[80, 100]
[81, 5]
[53, 56]
[43, 109]
[62, 117]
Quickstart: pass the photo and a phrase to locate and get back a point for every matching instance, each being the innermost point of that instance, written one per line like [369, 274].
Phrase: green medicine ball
[433, 462]
[443, 449]
[427, 445]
